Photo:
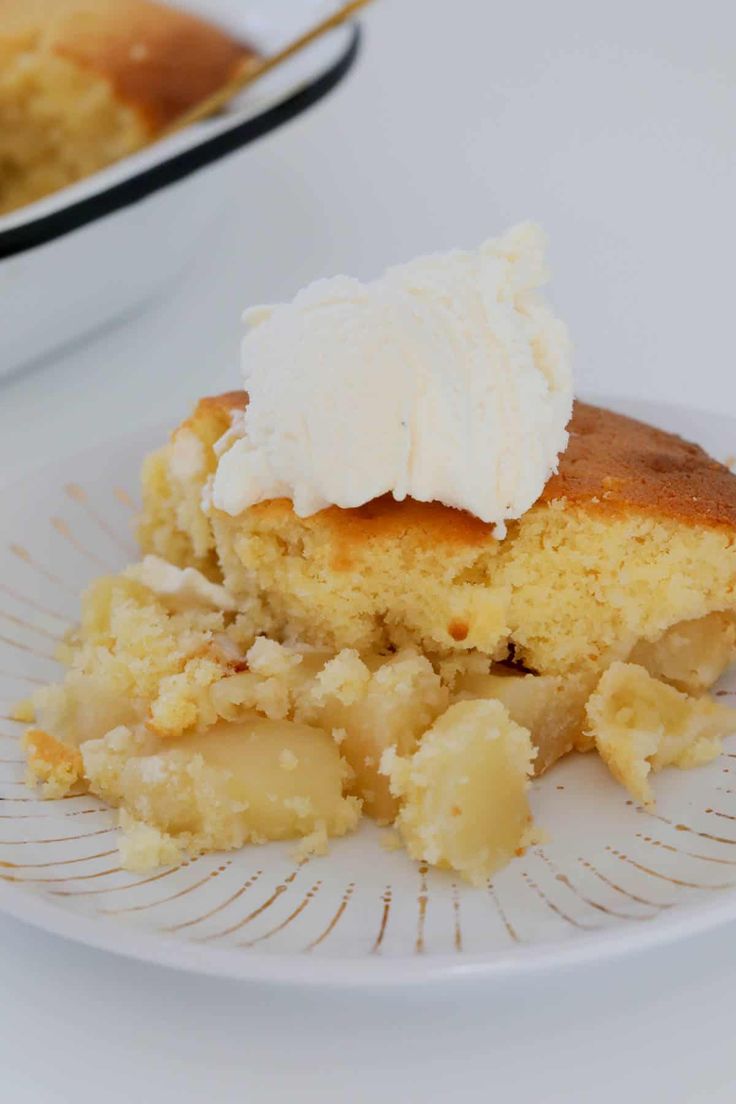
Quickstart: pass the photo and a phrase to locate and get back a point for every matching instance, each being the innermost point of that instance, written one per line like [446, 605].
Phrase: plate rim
[379, 972]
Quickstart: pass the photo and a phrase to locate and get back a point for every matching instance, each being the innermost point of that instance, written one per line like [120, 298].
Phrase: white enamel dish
[100, 249]
[611, 880]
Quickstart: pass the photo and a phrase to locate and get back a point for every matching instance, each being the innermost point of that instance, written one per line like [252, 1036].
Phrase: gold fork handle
[253, 68]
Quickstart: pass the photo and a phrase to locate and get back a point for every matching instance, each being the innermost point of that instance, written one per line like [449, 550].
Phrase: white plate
[611, 880]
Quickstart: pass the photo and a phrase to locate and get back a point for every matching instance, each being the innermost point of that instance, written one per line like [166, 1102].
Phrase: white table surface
[614, 127]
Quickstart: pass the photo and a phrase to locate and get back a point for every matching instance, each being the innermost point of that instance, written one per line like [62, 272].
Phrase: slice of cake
[630, 546]
[642, 560]
[398, 580]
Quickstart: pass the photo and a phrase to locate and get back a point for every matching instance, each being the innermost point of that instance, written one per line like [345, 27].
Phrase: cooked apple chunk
[692, 655]
[374, 703]
[255, 780]
[552, 707]
[641, 725]
[463, 793]
[368, 702]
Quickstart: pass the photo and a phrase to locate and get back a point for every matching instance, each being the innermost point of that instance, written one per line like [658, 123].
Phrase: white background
[613, 125]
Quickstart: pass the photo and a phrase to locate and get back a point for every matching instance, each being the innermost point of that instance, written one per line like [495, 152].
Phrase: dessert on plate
[86, 82]
[400, 577]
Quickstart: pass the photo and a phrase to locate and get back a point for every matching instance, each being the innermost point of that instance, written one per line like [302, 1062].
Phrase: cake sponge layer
[633, 535]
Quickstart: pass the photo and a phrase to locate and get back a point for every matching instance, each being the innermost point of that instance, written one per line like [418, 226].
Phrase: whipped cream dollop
[447, 379]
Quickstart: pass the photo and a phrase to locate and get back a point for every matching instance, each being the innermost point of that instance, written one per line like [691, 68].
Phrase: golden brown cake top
[158, 60]
[630, 465]
[217, 406]
[613, 464]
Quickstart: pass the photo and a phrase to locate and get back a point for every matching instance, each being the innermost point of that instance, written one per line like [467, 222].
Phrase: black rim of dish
[45, 229]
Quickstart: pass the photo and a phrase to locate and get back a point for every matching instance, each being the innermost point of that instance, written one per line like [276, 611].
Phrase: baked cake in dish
[84, 83]
[267, 676]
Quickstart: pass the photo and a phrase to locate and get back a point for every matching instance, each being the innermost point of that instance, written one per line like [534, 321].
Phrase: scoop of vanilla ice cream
[446, 379]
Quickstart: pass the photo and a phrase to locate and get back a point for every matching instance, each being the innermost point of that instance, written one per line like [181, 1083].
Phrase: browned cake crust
[158, 60]
[613, 464]
[631, 466]
[219, 406]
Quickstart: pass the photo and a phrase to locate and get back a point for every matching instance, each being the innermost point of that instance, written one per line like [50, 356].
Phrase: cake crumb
[316, 843]
[268, 657]
[288, 760]
[23, 711]
[344, 677]
[54, 765]
[641, 725]
[143, 847]
[302, 806]
[390, 840]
